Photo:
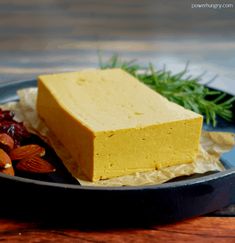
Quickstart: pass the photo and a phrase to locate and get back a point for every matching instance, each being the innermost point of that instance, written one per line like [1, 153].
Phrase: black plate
[68, 202]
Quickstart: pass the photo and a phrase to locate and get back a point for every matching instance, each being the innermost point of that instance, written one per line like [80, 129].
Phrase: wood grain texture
[62, 35]
[59, 35]
[202, 229]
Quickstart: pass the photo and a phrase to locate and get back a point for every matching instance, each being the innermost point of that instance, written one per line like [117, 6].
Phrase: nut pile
[13, 155]
[25, 158]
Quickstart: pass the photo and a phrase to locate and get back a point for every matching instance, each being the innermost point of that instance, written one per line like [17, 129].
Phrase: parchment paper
[212, 145]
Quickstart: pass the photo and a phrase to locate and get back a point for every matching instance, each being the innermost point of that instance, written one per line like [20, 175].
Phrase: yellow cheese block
[113, 125]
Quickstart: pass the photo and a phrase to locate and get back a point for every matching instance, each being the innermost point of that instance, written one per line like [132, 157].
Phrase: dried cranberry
[13, 128]
[6, 115]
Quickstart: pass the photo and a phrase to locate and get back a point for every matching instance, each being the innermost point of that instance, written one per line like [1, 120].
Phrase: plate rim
[170, 185]
[16, 82]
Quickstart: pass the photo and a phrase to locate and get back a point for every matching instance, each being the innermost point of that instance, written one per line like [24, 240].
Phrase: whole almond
[27, 151]
[6, 142]
[8, 171]
[5, 160]
[35, 165]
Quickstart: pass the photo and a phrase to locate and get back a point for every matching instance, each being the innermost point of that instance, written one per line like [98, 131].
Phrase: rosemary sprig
[179, 88]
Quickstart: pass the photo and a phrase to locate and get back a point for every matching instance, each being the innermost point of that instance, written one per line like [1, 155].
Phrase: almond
[8, 171]
[6, 142]
[35, 165]
[5, 160]
[27, 151]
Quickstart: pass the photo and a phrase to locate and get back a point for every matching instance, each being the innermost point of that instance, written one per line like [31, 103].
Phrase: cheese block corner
[114, 125]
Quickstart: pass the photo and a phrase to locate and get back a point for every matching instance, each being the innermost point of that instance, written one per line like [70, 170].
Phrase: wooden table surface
[57, 35]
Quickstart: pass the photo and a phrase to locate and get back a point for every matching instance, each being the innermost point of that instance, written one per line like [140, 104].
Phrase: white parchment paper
[212, 145]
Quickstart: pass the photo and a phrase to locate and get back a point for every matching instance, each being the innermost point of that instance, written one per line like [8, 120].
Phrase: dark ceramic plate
[60, 198]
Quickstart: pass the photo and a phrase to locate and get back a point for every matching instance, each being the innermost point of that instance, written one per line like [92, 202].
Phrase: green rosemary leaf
[180, 88]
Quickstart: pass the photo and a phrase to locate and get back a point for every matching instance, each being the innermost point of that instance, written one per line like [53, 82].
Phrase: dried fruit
[27, 151]
[35, 165]
[5, 160]
[6, 142]
[13, 128]
[8, 171]
[6, 115]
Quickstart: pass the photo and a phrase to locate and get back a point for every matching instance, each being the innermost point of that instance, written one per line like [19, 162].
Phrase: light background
[56, 35]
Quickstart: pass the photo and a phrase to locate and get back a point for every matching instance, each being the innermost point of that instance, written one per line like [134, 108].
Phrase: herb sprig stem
[180, 88]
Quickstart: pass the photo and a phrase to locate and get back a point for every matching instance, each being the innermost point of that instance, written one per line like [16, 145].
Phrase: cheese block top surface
[111, 99]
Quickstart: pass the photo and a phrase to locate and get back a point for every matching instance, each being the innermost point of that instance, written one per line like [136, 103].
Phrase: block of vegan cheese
[114, 125]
